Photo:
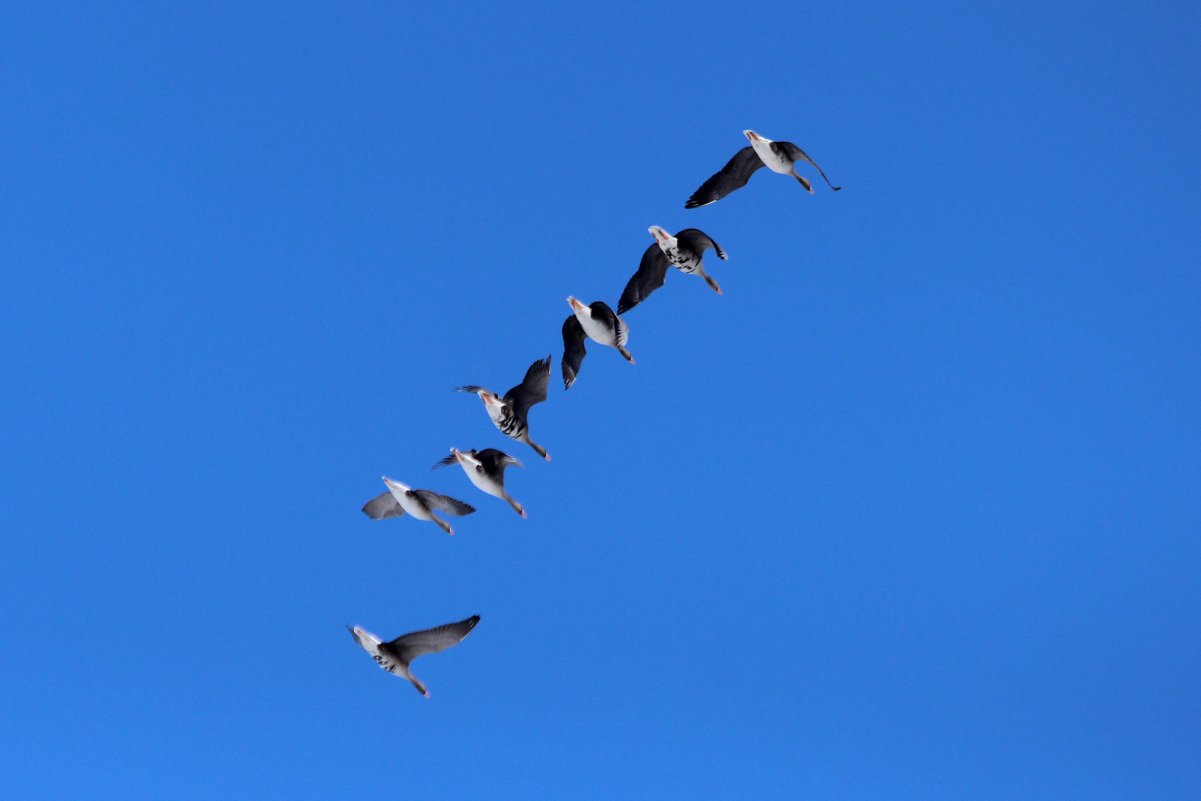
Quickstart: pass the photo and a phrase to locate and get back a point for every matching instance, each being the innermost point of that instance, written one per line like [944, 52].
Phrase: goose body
[396, 655]
[595, 321]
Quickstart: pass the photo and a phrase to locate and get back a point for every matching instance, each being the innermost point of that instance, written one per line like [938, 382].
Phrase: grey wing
[734, 175]
[408, 647]
[796, 154]
[383, 506]
[652, 272]
[573, 350]
[697, 240]
[443, 503]
[531, 390]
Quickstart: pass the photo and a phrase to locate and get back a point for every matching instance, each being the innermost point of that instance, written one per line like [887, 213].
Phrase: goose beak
[574, 304]
[751, 135]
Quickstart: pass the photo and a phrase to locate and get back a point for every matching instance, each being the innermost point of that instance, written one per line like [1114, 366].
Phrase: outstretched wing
[734, 175]
[443, 503]
[408, 647]
[383, 506]
[652, 271]
[444, 461]
[573, 350]
[796, 154]
[531, 390]
[697, 240]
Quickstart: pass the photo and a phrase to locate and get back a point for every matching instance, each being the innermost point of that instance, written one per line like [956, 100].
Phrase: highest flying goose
[683, 251]
[486, 469]
[396, 655]
[600, 324]
[419, 503]
[510, 412]
[780, 157]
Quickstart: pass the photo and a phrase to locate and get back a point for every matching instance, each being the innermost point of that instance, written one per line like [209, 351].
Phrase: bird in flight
[419, 503]
[486, 469]
[510, 413]
[597, 322]
[396, 655]
[682, 251]
[781, 157]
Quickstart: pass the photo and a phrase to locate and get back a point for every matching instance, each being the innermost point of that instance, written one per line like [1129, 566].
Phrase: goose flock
[596, 321]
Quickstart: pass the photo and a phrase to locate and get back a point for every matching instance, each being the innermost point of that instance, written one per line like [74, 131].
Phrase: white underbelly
[598, 332]
[412, 506]
[483, 483]
[771, 160]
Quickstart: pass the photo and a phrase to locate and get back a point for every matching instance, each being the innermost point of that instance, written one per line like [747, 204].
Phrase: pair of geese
[509, 413]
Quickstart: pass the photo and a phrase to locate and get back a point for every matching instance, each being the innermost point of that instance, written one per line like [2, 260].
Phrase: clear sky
[913, 511]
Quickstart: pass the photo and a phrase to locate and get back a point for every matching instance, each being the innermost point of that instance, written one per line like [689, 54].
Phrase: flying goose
[510, 412]
[596, 321]
[420, 503]
[486, 469]
[682, 251]
[780, 157]
[396, 655]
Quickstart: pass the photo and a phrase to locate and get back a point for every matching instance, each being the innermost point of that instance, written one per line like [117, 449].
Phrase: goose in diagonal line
[683, 251]
[395, 656]
[486, 469]
[781, 157]
[510, 413]
[597, 322]
[419, 503]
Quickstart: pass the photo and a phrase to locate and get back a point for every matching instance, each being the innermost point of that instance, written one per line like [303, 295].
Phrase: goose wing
[494, 462]
[444, 461]
[573, 350]
[383, 506]
[795, 154]
[652, 272]
[408, 647]
[531, 390]
[734, 175]
[443, 503]
[697, 240]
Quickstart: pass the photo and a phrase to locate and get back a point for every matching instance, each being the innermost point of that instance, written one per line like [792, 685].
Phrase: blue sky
[912, 511]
